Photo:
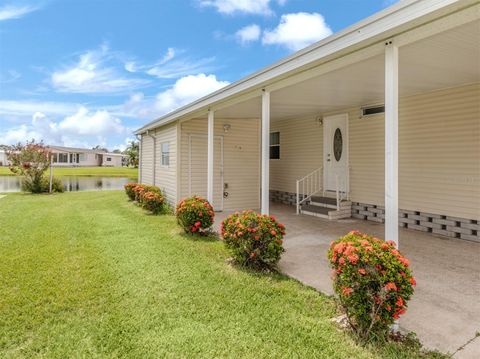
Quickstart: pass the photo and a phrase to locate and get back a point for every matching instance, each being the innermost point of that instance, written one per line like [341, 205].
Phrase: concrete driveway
[445, 310]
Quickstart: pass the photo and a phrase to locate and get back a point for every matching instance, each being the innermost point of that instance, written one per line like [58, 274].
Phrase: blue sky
[88, 72]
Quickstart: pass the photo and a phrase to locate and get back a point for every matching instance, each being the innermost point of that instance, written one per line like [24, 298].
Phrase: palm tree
[132, 151]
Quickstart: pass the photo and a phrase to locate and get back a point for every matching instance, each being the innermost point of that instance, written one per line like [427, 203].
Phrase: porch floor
[445, 310]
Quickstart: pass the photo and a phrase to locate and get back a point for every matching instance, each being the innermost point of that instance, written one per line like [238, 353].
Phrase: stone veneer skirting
[447, 226]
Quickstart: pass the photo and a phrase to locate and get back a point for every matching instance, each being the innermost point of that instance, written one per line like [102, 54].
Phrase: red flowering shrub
[254, 240]
[140, 189]
[195, 214]
[372, 280]
[152, 201]
[129, 190]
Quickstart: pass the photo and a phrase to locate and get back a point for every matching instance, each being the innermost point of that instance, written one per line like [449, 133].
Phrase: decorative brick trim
[283, 197]
[447, 226]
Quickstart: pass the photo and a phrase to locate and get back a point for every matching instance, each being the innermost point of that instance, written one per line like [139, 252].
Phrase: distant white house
[3, 158]
[70, 156]
[76, 157]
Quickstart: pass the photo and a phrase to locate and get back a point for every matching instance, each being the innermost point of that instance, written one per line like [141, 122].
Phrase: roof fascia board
[464, 16]
[398, 18]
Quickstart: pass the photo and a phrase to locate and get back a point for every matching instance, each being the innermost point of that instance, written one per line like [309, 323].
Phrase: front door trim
[328, 131]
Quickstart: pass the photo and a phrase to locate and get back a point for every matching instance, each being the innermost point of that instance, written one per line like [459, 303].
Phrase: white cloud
[181, 67]
[298, 30]
[26, 108]
[248, 34]
[9, 12]
[170, 54]
[85, 123]
[239, 6]
[92, 75]
[132, 66]
[82, 129]
[187, 89]
[172, 66]
[184, 91]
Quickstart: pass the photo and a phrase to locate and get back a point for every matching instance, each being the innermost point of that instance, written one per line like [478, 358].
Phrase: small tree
[31, 161]
[132, 152]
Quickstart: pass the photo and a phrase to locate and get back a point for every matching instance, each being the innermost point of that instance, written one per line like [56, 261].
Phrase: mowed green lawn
[86, 171]
[89, 274]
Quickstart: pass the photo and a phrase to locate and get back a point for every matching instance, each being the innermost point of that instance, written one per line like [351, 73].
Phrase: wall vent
[372, 110]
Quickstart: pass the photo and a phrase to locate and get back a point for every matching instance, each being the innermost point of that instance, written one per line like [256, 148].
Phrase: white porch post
[391, 142]
[210, 156]
[265, 186]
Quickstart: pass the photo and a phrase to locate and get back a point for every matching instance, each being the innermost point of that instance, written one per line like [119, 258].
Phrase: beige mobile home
[70, 157]
[380, 122]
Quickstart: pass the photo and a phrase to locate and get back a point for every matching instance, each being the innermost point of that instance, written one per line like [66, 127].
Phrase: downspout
[154, 154]
[140, 140]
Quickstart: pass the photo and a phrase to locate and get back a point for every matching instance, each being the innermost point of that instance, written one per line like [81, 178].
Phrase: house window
[275, 145]
[55, 158]
[63, 157]
[81, 157]
[109, 159]
[165, 154]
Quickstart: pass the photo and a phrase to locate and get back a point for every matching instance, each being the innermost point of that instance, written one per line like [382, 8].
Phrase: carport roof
[397, 19]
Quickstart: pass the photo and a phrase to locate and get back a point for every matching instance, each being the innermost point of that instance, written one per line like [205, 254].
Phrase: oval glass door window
[337, 144]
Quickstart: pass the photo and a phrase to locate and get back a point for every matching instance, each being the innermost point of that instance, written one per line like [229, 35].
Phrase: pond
[71, 183]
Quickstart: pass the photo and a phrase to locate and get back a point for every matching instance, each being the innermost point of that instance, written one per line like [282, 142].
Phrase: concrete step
[316, 211]
[326, 200]
[323, 201]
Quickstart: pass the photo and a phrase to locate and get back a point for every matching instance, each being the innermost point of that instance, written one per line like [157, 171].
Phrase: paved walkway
[445, 310]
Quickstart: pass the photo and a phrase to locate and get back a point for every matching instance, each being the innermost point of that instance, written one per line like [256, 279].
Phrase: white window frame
[165, 155]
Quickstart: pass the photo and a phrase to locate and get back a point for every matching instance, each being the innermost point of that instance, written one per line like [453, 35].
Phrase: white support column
[211, 123]
[265, 186]
[391, 142]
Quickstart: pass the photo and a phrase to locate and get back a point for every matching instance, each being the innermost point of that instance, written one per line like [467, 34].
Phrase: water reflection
[71, 183]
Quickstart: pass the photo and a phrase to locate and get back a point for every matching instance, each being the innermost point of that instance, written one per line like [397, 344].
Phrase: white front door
[198, 158]
[335, 152]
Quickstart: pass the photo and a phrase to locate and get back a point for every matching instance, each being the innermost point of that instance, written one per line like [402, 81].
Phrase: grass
[89, 274]
[86, 171]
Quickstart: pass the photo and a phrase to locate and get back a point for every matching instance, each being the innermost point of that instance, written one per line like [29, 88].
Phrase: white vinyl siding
[301, 152]
[241, 159]
[147, 159]
[439, 153]
[166, 175]
[197, 168]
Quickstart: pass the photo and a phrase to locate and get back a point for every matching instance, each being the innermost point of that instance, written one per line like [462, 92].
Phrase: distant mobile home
[3, 158]
[380, 121]
[70, 156]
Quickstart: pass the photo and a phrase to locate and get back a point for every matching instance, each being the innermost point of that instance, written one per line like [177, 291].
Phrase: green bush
[42, 186]
[373, 282]
[153, 202]
[129, 190]
[254, 240]
[195, 214]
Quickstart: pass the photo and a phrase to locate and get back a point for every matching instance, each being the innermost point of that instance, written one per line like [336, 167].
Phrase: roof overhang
[407, 21]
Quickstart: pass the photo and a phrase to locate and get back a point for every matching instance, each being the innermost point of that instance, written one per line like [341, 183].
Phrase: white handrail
[311, 184]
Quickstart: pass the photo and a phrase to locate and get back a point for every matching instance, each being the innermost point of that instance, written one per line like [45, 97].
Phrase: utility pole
[51, 172]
